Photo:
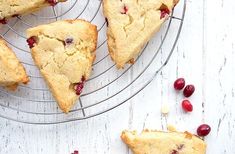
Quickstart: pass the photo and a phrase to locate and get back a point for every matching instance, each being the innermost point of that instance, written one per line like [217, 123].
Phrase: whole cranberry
[75, 152]
[203, 130]
[187, 106]
[179, 84]
[189, 90]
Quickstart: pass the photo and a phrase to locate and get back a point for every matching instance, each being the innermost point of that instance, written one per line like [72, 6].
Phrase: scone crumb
[165, 109]
[171, 128]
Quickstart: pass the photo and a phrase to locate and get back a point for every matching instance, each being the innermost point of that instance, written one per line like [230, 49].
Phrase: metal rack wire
[106, 89]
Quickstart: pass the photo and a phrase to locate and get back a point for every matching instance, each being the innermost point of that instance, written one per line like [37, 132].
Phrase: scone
[157, 142]
[12, 8]
[131, 24]
[12, 71]
[64, 52]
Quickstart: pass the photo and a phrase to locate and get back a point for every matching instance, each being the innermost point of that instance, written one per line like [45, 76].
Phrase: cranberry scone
[12, 71]
[131, 24]
[64, 52]
[12, 8]
[157, 142]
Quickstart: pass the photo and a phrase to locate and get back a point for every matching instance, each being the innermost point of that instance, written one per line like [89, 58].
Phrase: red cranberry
[187, 106]
[31, 41]
[164, 12]
[3, 21]
[179, 84]
[125, 9]
[75, 152]
[189, 90]
[203, 130]
[79, 86]
[52, 2]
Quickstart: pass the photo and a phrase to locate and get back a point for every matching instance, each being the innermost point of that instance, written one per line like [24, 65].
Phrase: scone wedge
[64, 52]
[12, 8]
[131, 24]
[12, 71]
[157, 142]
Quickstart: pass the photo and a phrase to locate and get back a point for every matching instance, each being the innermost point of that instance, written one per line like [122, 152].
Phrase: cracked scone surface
[12, 71]
[157, 142]
[131, 24]
[11, 8]
[64, 52]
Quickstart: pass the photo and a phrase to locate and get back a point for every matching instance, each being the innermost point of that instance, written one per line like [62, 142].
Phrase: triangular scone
[157, 142]
[131, 24]
[64, 52]
[12, 8]
[12, 71]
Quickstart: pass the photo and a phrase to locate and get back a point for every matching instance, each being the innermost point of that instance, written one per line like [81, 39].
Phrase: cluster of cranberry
[179, 84]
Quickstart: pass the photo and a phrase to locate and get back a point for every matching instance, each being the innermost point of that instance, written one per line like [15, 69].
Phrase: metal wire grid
[85, 109]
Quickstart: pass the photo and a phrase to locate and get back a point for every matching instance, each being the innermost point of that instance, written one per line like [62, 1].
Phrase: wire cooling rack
[106, 89]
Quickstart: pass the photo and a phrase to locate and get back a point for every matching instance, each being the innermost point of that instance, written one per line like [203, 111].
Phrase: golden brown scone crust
[128, 33]
[11, 8]
[12, 71]
[158, 142]
[63, 65]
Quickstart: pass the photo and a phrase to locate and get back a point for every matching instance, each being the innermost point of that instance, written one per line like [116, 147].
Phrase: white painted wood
[204, 56]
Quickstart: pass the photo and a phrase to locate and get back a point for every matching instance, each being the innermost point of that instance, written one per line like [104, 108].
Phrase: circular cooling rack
[106, 89]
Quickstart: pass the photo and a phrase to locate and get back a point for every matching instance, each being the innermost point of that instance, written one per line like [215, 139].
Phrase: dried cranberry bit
[3, 21]
[52, 2]
[125, 10]
[79, 86]
[179, 84]
[31, 41]
[189, 90]
[187, 106]
[68, 41]
[164, 11]
[203, 130]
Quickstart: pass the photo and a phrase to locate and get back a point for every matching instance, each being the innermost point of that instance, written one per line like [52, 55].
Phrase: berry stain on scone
[12, 71]
[157, 142]
[14, 8]
[131, 24]
[64, 52]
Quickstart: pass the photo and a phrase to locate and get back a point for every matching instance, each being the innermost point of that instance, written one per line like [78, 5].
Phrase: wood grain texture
[204, 55]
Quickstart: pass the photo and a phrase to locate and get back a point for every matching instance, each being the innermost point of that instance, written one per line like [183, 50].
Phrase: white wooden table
[204, 56]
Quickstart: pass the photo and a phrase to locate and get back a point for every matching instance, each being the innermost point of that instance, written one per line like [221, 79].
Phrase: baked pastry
[12, 8]
[64, 52]
[12, 71]
[157, 142]
[131, 24]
